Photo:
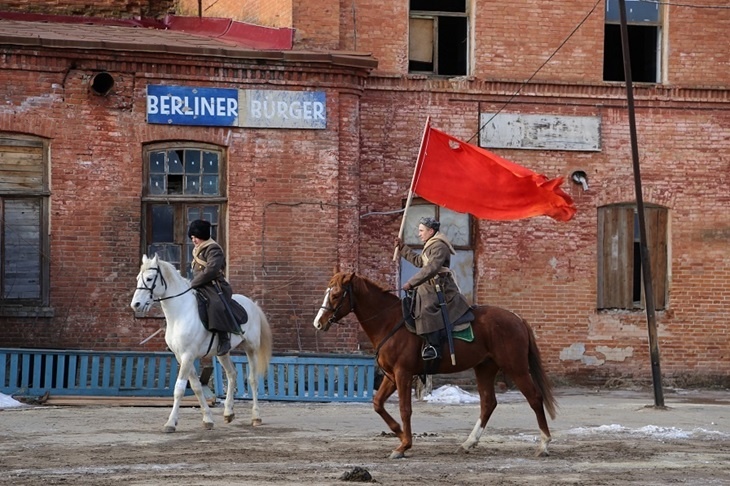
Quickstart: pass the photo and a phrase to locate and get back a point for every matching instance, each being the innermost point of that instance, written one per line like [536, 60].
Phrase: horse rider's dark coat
[203, 278]
[434, 262]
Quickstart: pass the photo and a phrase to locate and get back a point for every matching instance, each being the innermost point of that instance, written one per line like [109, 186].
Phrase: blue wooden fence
[323, 378]
[308, 378]
[33, 372]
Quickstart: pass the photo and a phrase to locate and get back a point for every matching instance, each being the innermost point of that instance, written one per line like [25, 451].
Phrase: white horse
[160, 281]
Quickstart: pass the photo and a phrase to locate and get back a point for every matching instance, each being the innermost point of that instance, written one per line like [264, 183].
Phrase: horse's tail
[263, 350]
[539, 377]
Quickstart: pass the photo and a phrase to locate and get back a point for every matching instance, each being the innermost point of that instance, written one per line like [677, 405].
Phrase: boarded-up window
[24, 265]
[183, 182]
[620, 280]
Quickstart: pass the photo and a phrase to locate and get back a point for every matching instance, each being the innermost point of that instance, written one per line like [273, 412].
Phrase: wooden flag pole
[410, 189]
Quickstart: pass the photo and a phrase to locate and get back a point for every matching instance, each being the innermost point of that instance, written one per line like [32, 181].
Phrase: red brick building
[105, 179]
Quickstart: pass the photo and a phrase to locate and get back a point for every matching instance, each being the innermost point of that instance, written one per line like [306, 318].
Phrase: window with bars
[183, 182]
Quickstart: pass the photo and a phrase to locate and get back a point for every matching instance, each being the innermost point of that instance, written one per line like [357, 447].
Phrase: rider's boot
[431, 351]
[224, 343]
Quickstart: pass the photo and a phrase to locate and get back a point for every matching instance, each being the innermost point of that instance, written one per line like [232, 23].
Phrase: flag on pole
[468, 179]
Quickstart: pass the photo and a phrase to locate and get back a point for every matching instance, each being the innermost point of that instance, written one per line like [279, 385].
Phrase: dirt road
[599, 438]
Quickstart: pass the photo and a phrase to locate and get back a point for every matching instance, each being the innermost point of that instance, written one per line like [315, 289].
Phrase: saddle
[459, 325]
[237, 309]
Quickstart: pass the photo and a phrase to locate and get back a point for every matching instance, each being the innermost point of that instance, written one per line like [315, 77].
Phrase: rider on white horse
[225, 315]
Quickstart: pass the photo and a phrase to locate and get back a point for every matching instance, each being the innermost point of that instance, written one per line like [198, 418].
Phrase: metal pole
[645, 262]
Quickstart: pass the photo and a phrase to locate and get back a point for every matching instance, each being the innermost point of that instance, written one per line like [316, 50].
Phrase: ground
[599, 438]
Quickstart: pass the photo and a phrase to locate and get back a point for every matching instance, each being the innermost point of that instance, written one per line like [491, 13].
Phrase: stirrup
[224, 347]
[429, 353]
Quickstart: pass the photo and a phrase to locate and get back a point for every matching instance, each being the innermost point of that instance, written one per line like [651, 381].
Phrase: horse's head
[338, 301]
[151, 284]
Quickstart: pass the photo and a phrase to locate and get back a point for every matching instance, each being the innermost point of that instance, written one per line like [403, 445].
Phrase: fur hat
[199, 229]
[430, 223]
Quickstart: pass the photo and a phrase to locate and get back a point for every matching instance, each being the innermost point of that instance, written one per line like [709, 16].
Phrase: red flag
[468, 179]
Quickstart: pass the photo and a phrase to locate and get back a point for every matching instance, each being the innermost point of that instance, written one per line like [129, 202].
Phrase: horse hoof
[396, 455]
[229, 418]
[256, 422]
[541, 453]
[169, 429]
[208, 425]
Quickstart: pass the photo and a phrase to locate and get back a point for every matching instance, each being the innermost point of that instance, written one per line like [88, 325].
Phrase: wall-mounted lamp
[580, 177]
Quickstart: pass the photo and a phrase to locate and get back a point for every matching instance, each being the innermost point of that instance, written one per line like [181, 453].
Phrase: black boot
[224, 343]
[431, 350]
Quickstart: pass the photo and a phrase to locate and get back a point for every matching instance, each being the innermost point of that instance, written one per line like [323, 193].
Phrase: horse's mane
[342, 278]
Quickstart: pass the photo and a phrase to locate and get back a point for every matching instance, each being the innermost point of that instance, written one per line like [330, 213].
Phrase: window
[183, 182]
[438, 37]
[644, 28]
[620, 282]
[24, 208]
[457, 228]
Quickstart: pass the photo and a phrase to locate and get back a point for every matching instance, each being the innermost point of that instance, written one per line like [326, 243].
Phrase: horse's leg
[186, 364]
[534, 398]
[198, 389]
[485, 374]
[385, 390]
[253, 385]
[231, 377]
[403, 382]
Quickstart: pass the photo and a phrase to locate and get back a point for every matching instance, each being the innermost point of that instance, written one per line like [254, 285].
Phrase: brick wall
[285, 191]
[301, 202]
[121, 9]
[699, 52]
[546, 270]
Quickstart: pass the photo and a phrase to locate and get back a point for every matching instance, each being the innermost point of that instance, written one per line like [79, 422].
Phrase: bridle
[151, 289]
[346, 290]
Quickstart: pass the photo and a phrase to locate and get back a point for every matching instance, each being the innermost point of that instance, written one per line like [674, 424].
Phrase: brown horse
[502, 341]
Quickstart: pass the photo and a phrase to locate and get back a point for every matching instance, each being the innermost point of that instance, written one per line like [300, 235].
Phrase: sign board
[540, 132]
[282, 109]
[225, 107]
[182, 105]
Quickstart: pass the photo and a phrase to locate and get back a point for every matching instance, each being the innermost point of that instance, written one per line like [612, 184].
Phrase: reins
[347, 289]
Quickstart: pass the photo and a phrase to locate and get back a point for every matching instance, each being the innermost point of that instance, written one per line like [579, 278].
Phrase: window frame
[38, 190]
[435, 16]
[183, 204]
[634, 22]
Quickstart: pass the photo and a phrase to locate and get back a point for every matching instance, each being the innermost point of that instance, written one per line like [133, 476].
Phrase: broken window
[620, 280]
[644, 29]
[182, 184]
[438, 37]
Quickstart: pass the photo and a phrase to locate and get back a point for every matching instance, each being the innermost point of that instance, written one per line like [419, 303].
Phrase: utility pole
[645, 262]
